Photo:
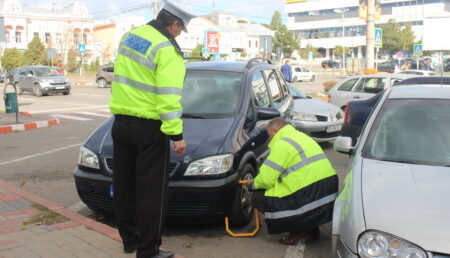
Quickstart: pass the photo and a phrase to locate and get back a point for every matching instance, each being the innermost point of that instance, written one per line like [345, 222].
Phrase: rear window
[411, 131]
[348, 85]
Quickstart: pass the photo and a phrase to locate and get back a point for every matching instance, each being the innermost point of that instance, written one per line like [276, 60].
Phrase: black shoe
[129, 249]
[164, 254]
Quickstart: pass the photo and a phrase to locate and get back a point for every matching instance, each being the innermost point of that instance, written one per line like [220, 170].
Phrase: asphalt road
[42, 161]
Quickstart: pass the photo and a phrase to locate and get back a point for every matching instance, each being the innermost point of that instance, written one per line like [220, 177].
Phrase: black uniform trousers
[140, 179]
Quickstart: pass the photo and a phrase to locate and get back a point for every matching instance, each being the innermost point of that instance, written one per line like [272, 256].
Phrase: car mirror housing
[343, 145]
[267, 113]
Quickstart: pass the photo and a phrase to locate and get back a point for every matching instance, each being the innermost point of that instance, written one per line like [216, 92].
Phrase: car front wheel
[102, 83]
[37, 90]
[242, 208]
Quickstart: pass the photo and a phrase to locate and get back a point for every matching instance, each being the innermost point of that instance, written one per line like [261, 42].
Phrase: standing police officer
[146, 94]
[299, 184]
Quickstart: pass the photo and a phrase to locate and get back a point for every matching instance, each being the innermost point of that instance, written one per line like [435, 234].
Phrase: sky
[260, 11]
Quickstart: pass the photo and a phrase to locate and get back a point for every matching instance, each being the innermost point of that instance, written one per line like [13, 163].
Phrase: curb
[28, 126]
[87, 222]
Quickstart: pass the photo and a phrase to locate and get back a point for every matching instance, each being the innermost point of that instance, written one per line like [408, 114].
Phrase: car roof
[437, 80]
[387, 75]
[420, 91]
[217, 66]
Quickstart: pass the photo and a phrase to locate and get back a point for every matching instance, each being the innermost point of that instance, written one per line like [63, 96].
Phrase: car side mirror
[267, 113]
[296, 97]
[309, 97]
[343, 145]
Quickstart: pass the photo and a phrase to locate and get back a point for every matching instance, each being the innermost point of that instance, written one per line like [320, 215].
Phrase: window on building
[7, 36]
[47, 37]
[18, 36]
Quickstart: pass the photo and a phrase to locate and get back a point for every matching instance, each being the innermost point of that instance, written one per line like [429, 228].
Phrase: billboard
[434, 35]
[219, 42]
[363, 9]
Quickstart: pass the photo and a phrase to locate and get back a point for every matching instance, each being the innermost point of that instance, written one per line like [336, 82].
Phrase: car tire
[19, 90]
[66, 92]
[242, 209]
[313, 78]
[37, 90]
[102, 83]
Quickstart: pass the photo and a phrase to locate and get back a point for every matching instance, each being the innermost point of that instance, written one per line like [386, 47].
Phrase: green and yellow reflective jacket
[149, 77]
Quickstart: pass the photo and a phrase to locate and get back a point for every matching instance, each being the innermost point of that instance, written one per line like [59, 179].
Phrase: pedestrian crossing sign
[81, 48]
[418, 49]
[379, 37]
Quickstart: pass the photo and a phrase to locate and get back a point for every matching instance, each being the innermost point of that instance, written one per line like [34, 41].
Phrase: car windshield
[46, 71]
[296, 92]
[411, 131]
[211, 94]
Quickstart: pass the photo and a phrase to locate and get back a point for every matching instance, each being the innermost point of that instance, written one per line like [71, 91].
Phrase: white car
[418, 72]
[361, 87]
[300, 74]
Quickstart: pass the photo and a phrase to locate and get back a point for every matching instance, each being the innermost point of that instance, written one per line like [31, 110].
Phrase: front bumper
[340, 250]
[187, 198]
[51, 88]
[317, 130]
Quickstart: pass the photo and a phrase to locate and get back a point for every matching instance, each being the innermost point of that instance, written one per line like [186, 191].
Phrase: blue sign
[418, 49]
[81, 48]
[310, 56]
[378, 37]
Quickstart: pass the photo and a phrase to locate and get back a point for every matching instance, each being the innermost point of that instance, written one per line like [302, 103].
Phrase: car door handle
[356, 97]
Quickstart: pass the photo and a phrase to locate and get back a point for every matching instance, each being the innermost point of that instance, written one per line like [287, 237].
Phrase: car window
[305, 70]
[395, 81]
[284, 86]
[260, 94]
[23, 72]
[432, 74]
[370, 85]
[412, 131]
[297, 69]
[211, 94]
[46, 71]
[109, 69]
[274, 86]
[348, 85]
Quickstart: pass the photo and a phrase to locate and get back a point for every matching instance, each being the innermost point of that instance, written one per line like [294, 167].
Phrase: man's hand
[249, 182]
[179, 147]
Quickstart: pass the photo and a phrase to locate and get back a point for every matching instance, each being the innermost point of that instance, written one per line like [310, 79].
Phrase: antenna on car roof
[252, 61]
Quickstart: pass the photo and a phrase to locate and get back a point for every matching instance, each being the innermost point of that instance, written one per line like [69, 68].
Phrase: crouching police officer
[299, 184]
[146, 94]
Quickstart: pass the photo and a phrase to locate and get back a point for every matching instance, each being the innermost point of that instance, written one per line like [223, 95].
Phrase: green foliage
[12, 58]
[197, 51]
[242, 21]
[309, 48]
[72, 63]
[35, 54]
[283, 37]
[396, 39]
[339, 50]
[243, 54]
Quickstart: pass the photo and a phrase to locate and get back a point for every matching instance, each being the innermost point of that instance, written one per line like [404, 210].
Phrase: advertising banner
[219, 42]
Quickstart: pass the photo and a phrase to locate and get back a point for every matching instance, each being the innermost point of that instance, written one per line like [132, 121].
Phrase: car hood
[314, 106]
[203, 137]
[53, 78]
[408, 201]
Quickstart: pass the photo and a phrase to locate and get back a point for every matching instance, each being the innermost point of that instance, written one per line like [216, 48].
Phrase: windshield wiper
[399, 161]
[188, 115]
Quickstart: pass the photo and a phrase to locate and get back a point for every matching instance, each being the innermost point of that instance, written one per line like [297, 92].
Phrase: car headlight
[304, 117]
[66, 80]
[378, 244]
[210, 166]
[87, 158]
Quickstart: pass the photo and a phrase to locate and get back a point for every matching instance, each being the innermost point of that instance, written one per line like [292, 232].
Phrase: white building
[59, 28]
[318, 22]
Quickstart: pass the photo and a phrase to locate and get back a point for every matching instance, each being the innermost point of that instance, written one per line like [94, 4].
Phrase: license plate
[333, 128]
[59, 88]
[111, 191]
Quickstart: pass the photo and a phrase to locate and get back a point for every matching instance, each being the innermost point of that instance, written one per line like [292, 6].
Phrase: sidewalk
[31, 226]
[26, 122]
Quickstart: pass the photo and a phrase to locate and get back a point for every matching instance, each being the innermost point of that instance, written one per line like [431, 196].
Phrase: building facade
[328, 23]
[59, 28]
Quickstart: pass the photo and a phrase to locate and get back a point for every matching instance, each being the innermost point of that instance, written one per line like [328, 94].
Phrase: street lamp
[342, 12]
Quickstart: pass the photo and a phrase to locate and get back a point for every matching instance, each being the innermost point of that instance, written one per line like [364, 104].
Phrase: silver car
[395, 202]
[41, 80]
[361, 87]
[319, 119]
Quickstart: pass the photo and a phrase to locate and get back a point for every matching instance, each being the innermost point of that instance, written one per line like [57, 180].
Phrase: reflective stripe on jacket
[149, 76]
[301, 185]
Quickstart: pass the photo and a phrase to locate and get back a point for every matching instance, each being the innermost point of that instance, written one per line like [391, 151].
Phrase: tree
[197, 51]
[309, 48]
[72, 63]
[35, 54]
[339, 50]
[12, 58]
[243, 54]
[407, 37]
[283, 38]
[397, 39]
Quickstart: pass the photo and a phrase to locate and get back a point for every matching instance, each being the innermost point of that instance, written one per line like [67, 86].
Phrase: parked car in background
[41, 80]
[105, 76]
[226, 108]
[360, 87]
[300, 74]
[330, 64]
[10, 74]
[316, 118]
[393, 203]
[418, 72]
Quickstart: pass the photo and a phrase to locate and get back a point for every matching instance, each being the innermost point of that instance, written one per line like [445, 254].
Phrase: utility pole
[370, 41]
[155, 8]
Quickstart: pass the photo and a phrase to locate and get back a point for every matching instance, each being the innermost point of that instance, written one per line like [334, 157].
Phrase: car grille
[188, 209]
[322, 118]
[58, 83]
[109, 164]
[324, 134]
[96, 200]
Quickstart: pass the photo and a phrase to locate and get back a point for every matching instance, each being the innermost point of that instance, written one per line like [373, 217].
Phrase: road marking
[67, 103]
[20, 98]
[106, 110]
[93, 114]
[40, 154]
[72, 117]
[67, 109]
[295, 251]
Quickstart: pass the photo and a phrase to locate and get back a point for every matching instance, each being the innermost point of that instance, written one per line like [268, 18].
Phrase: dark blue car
[226, 107]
